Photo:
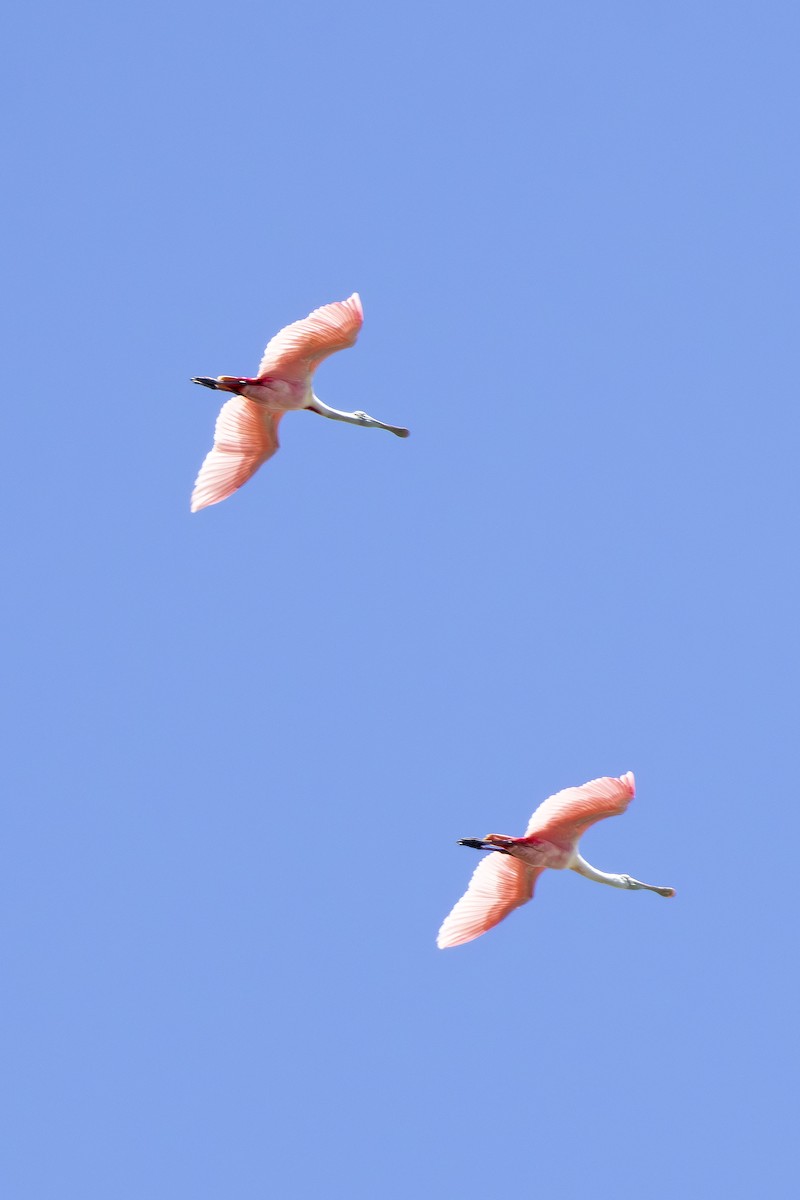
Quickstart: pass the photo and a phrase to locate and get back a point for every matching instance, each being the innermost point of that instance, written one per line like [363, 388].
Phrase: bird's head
[223, 383]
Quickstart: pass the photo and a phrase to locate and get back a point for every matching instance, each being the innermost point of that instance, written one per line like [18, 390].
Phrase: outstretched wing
[244, 437]
[299, 348]
[499, 884]
[563, 818]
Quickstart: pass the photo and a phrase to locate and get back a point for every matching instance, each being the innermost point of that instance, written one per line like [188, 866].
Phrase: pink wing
[499, 884]
[299, 348]
[244, 437]
[564, 817]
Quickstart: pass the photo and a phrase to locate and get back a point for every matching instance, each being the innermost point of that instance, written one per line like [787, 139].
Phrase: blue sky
[241, 745]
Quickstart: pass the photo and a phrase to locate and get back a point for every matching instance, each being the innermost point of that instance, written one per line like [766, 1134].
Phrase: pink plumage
[297, 350]
[564, 817]
[506, 878]
[499, 884]
[246, 433]
[245, 436]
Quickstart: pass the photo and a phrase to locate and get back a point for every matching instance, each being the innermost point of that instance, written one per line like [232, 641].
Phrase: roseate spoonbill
[246, 433]
[506, 878]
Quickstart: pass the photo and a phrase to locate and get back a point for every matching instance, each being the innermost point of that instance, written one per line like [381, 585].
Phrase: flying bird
[505, 879]
[246, 433]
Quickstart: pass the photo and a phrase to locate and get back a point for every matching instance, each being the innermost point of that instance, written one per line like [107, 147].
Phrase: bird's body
[506, 878]
[246, 433]
[278, 396]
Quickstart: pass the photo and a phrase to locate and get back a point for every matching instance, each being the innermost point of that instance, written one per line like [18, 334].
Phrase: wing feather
[245, 436]
[299, 348]
[564, 817]
[499, 884]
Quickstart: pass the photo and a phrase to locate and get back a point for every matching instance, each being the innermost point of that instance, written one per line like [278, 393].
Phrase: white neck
[336, 414]
[584, 868]
[353, 418]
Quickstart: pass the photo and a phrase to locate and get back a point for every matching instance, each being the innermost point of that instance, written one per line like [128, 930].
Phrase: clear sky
[241, 745]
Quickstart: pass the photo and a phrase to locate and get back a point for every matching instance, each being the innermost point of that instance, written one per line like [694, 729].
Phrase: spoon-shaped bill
[397, 430]
[650, 887]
